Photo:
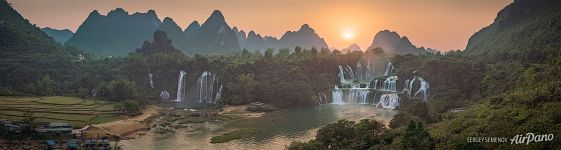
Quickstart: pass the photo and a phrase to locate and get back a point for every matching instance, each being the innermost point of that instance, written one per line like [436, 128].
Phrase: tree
[45, 86]
[269, 53]
[29, 121]
[243, 91]
[336, 135]
[416, 137]
[131, 107]
[298, 51]
[118, 90]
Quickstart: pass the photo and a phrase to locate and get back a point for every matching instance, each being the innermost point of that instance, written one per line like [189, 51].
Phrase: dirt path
[129, 125]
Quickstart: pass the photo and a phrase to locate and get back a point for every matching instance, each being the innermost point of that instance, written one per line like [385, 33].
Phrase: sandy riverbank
[125, 127]
[240, 110]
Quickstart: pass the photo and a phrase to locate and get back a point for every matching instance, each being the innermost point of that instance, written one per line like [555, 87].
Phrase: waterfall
[180, 86]
[346, 74]
[364, 73]
[411, 86]
[361, 86]
[390, 84]
[208, 87]
[423, 88]
[337, 96]
[218, 95]
[388, 101]
[406, 86]
[151, 81]
[389, 70]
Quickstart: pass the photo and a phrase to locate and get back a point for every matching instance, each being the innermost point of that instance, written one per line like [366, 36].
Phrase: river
[276, 129]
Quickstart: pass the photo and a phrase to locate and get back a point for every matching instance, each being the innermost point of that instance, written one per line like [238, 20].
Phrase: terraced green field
[76, 111]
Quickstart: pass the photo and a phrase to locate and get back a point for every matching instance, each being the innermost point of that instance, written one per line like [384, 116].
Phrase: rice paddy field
[79, 112]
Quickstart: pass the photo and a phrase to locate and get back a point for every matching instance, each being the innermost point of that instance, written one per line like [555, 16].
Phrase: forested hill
[27, 52]
[525, 29]
[115, 34]
[21, 37]
[61, 36]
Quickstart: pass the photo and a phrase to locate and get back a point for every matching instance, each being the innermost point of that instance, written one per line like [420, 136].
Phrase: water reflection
[277, 129]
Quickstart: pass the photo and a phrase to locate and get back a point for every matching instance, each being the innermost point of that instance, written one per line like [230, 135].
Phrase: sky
[440, 24]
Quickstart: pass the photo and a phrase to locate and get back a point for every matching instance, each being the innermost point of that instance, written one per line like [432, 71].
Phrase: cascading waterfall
[218, 95]
[346, 74]
[410, 88]
[208, 88]
[406, 86]
[363, 87]
[337, 96]
[390, 84]
[389, 70]
[423, 88]
[181, 86]
[388, 101]
[364, 73]
[150, 76]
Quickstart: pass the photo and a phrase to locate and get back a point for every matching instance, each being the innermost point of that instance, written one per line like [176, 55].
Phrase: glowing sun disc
[348, 35]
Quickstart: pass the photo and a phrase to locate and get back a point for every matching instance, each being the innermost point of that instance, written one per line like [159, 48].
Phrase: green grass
[190, 119]
[60, 100]
[104, 118]
[232, 135]
[72, 110]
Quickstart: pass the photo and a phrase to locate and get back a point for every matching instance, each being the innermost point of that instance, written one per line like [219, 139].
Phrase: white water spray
[181, 87]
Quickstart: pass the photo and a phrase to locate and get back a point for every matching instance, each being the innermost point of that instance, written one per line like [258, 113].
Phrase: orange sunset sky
[440, 24]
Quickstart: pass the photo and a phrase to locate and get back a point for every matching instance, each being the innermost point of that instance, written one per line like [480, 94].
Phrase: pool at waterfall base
[275, 129]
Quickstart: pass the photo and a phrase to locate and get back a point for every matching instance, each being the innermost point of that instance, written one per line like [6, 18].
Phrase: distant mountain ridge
[393, 44]
[61, 36]
[116, 33]
[305, 38]
[351, 48]
[119, 33]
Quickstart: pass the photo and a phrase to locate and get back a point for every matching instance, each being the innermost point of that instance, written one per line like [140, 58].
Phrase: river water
[276, 129]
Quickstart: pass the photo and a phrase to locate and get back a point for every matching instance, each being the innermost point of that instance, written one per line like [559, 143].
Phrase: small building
[73, 144]
[53, 127]
[97, 144]
[50, 144]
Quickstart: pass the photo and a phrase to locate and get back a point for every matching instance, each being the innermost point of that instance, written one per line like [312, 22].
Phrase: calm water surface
[277, 129]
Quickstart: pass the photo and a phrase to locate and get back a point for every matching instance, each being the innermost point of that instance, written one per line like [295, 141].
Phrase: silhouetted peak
[168, 20]
[235, 29]
[305, 27]
[352, 48]
[216, 16]
[117, 12]
[151, 12]
[193, 26]
[251, 33]
[94, 13]
[388, 33]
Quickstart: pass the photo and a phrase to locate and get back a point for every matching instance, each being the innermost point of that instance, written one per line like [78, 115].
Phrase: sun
[348, 34]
